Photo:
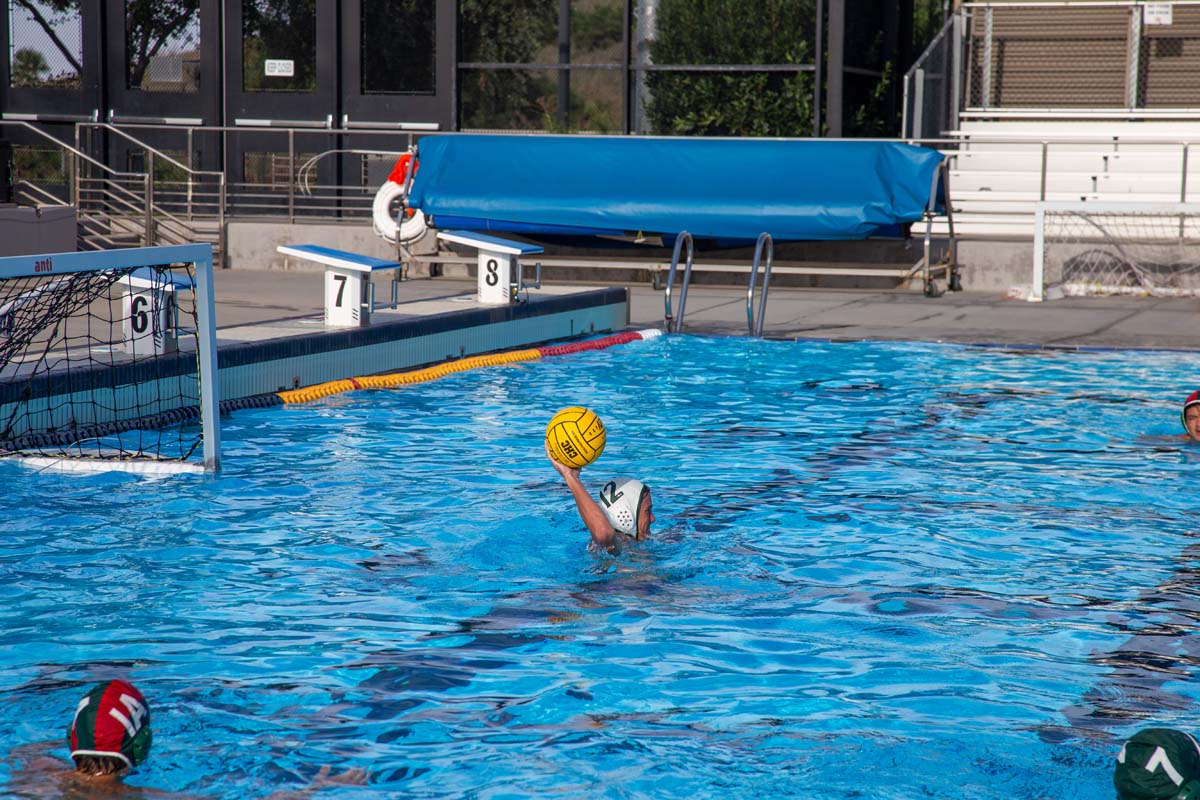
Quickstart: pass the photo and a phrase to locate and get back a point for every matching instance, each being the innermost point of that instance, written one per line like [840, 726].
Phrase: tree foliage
[596, 28]
[28, 66]
[732, 103]
[928, 19]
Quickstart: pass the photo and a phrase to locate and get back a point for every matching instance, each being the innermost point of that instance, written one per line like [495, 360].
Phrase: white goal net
[1102, 248]
[108, 360]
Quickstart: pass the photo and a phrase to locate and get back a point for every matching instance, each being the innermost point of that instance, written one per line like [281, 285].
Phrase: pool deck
[253, 304]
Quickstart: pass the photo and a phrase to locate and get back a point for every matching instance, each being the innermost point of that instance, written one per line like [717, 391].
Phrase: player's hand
[563, 469]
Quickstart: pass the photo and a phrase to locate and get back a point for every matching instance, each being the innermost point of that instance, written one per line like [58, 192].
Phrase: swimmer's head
[621, 499]
[1158, 764]
[111, 721]
[1192, 400]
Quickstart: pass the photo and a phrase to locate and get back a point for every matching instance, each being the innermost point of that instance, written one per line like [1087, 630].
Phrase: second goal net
[1103, 248]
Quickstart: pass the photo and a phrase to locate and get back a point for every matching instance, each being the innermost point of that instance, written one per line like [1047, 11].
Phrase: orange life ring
[387, 226]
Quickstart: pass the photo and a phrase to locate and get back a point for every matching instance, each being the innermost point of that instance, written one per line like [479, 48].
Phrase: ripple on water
[961, 571]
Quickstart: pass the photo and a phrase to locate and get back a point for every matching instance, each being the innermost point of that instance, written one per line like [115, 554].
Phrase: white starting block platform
[150, 313]
[500, 275]
[349, 292]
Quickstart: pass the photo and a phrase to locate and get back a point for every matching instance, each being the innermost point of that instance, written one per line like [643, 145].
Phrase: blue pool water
[879, 571]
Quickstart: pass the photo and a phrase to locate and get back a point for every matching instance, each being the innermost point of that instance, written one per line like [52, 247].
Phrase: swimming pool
[879, 570]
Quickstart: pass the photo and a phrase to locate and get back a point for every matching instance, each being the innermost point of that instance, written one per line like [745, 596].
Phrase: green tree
[28, 66]
[876, 116]
[732, 103]
[596, 28]
[927, 22]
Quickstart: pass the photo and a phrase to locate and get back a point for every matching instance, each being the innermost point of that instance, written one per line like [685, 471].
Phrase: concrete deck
[253, 297]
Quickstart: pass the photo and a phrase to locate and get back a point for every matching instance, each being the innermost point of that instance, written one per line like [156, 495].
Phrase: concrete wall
[995, 266]
[252, 244]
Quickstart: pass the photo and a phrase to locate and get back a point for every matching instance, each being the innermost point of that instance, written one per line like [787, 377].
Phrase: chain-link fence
[1053, 57]
[930, 87]
[45, 44]
[1092, 56]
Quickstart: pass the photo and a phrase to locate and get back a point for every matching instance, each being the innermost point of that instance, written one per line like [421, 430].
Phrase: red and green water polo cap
[112, 720]
[1193, 399]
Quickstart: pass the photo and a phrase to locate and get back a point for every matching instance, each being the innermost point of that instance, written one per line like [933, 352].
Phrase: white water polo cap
[620, 500]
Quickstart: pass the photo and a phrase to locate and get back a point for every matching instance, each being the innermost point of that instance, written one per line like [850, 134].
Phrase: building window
[45, 44]
[398, 46]
[162, 45]
[279, 45]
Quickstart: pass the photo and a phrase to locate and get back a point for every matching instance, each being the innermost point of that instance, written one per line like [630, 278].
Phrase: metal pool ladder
[755, 327]
[674, 325]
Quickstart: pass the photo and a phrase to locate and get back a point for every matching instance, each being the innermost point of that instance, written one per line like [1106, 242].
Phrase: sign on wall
[280, 67]
[1156, 14]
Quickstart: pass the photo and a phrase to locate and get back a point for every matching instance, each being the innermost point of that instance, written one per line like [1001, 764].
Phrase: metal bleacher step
[963, 182]
[996, 176]
[1026, 161]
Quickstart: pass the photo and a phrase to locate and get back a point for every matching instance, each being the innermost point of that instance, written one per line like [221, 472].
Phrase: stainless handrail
[754, 329]
[74, 178]
[158, 154]
[153, 154]
[72, 150]
[673, 325]
[307, 167]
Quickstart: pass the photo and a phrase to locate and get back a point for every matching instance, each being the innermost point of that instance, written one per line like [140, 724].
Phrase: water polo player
[625, 510]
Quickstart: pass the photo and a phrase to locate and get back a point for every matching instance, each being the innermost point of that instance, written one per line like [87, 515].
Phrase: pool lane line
[188, 414]
[394, 379]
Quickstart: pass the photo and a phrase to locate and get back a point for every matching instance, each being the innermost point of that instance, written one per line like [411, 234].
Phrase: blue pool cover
[724, 188]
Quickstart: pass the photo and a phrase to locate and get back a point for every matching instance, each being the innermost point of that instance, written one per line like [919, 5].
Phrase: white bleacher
[996, 172]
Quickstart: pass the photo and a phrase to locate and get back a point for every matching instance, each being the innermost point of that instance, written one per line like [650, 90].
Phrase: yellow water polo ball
[575, 436]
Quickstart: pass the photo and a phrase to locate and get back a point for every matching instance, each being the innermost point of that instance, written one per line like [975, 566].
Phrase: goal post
[108, 359]
[1112, 248]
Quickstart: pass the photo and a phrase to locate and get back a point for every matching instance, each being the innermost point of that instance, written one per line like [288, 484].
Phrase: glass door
[280, 62]
[397, 64]
[281, 73]
[162, 64]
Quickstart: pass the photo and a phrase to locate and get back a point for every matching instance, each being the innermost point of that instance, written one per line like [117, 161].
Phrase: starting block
[500, 275]
[349, 292]
[150, 314]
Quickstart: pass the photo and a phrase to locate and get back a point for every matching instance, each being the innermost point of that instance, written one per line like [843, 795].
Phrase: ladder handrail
[753, 328]
[673, 325]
